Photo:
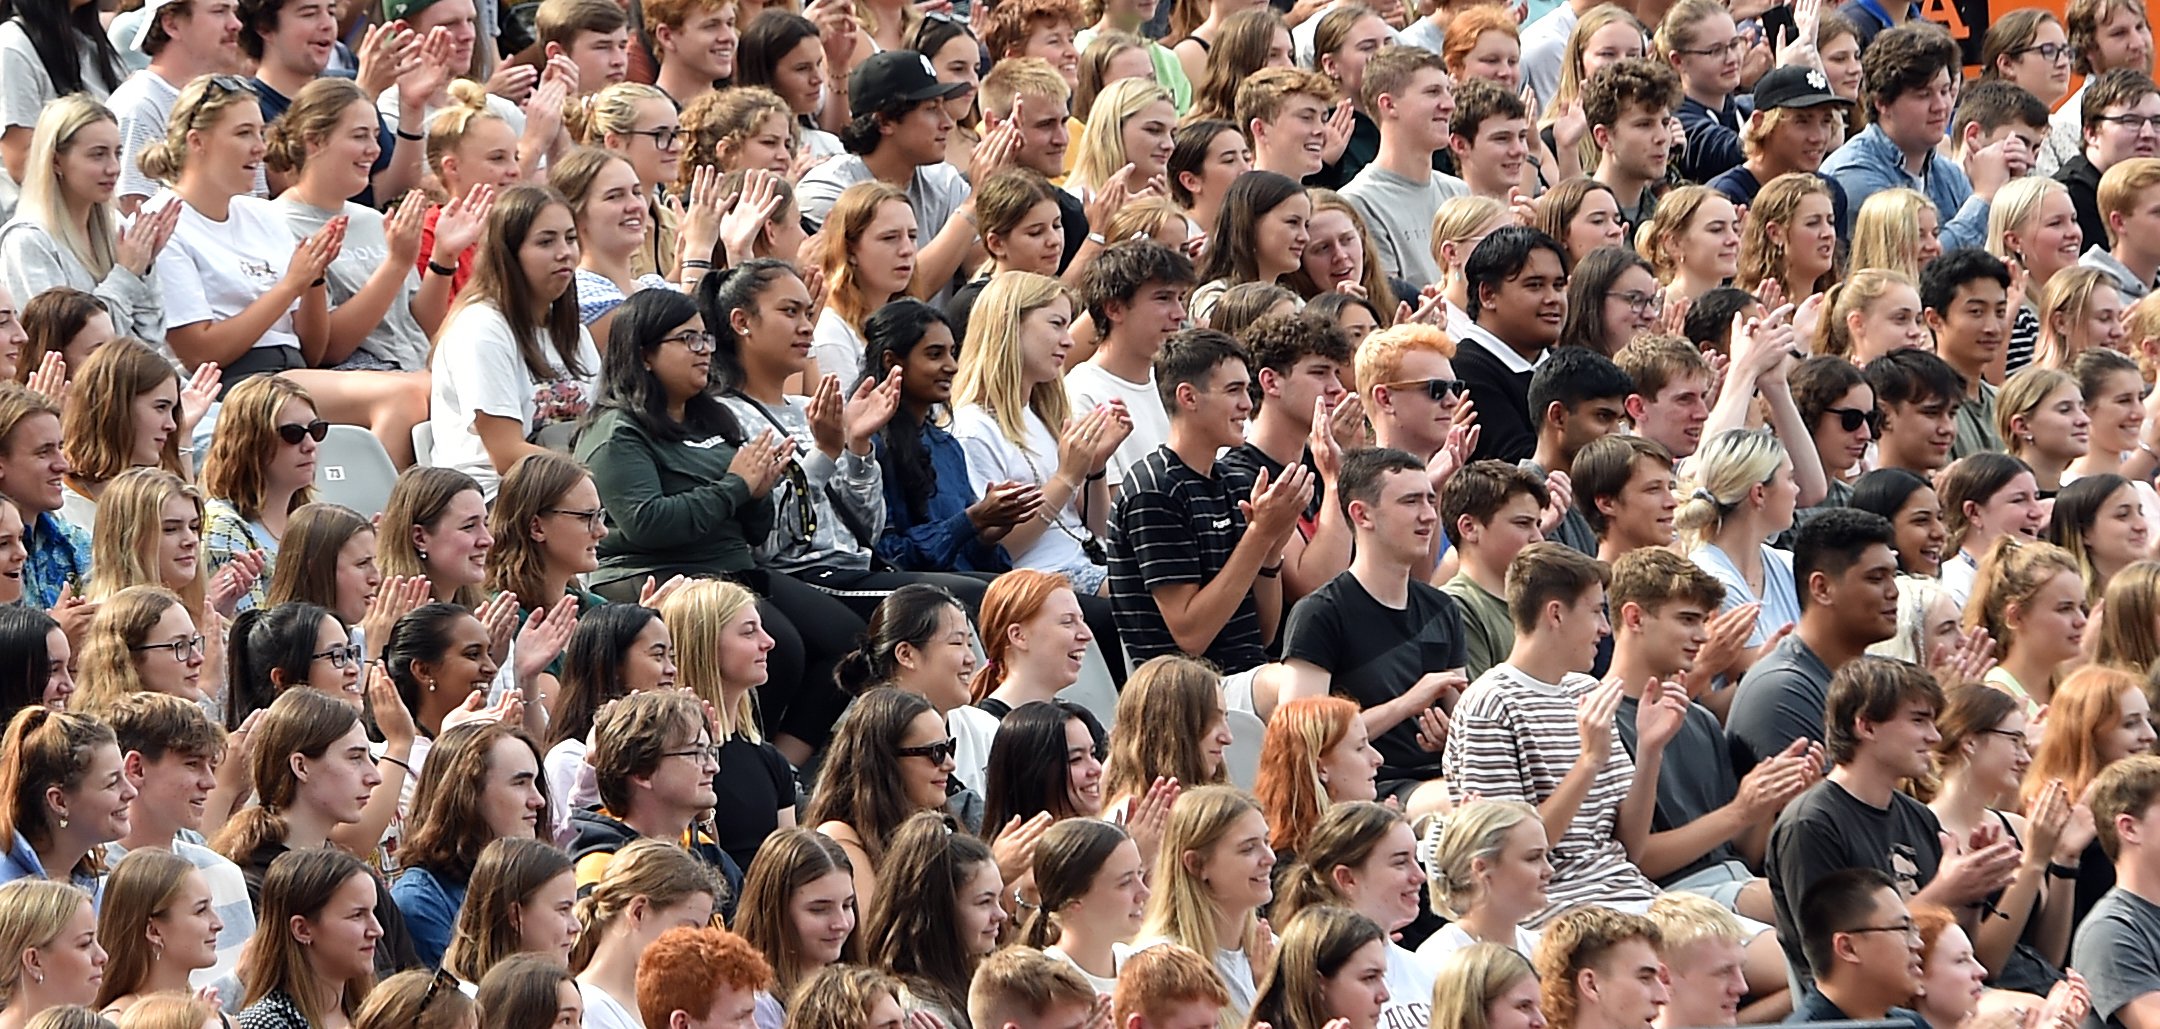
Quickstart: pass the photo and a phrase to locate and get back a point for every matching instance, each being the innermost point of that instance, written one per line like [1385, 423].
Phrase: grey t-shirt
[2118, 949]
[1695, 779]
[1398, 217]
[1781, 699]
[397, 341]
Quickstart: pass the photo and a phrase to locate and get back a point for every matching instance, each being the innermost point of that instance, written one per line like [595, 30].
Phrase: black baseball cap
[1794, 86]
[896, 77]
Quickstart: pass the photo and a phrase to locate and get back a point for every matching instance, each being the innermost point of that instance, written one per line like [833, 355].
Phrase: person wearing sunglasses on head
[260, 469]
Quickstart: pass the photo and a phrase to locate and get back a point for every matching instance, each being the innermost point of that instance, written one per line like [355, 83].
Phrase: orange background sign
[1968, 20]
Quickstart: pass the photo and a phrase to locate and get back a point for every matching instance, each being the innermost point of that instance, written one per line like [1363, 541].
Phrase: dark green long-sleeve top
[671, 505]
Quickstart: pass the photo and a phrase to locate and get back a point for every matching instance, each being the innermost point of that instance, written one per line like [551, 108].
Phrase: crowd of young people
[969, 515]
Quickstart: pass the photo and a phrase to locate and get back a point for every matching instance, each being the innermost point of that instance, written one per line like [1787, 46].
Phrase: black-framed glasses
[1438, 389]
[347, 656]
[1850, 419]
[2136, 122]
[694, 341]
[666, 137]
[2049, 52]
[292, 433]
[1911, 931]
[1732, 49]
[594, 519]
[180, 648]
[1641, 304]
[938, 753]
[2012, 735]
[709, 752]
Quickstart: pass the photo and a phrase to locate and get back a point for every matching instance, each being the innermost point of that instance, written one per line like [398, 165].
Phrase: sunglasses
[292, 434]
[1438, 389]
[938, 753]
[1850, 419]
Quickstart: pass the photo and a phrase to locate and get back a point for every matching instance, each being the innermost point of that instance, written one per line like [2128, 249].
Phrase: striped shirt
[1173, 525]
[1514, 738]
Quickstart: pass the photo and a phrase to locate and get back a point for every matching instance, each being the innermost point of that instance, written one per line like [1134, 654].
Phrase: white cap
[149, 17]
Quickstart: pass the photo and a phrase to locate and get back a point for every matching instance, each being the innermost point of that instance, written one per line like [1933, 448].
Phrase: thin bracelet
[413, 136]
[395, 761]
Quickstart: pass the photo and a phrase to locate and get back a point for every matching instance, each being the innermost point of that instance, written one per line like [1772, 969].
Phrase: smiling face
[88, 164]
[344, 155]
[1596, 224]
[1215, 410]
[1055, 640]
[1358, 989]
[822, 913]
[456, 543]
[649, 662]
[225, 153]
[1804, 136]
[705, 41]
[59, 678]
[173, 790]
[1116, 899]
[1033, 244]
[1892, 322]
[304, 38]
[681, 373]
[977, 912]
[2058, 428]
[769, 145]
[1388, 886]
[612, 219]
[546, 923]
[2015, 508]
[1917, 435]
[35, 467]
[486, 155]
[1234, 872]
[1710, 242]
[186, 929]
[2131, 733]
[333, 670]
[925, 779]
[467, 663]
[1920, 533]
[1083, 770]
[13, 554]
[162, 670]
[1528, 307]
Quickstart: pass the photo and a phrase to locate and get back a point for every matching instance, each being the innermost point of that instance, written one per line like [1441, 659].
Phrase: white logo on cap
[926, 69]
[1817, 79]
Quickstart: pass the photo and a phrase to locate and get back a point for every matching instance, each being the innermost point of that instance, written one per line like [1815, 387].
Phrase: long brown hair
[299, 884]
[516, 563]
[98, 427]
[861, 784]
[445, 831]
[509, 872]
[419, 498]
[787, 861]
[245, 439]
[307, 566]
[1165, 709]
[302, 722]
[143, 886]
[499, 282]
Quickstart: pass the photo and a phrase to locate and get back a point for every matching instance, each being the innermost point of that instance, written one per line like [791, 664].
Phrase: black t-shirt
[1827, 829]
[752, 787]
[1374, 653]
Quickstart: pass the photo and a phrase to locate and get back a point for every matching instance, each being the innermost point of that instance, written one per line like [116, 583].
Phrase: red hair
[1013, 598]
[1288, 786]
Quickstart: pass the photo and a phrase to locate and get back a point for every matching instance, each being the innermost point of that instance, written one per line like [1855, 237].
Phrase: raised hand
[1014, 848]
[1965, 660]
[1594, 720]
[762, 461]
[1561, 493]
[870, 408]
[235, 580]
[1729, 632]
[391, 715]
[382, 53]
[1275, 506]
[998, 149]
[1110, 195]
[1346, 422]
[499, 614]
[1147, 815]
[50, 381]
[653, 594]
[402, 229]
[312, 256]
[136, 246]
[750, 214]
[1327, 453]
[460, 224]
[700, 214]
[1660, 714]
[513, 82]
[544, 636]
[1339, 126]
[824, 413]
[427, 68]
[1004, 505]
[395, 597]
[1769, 786]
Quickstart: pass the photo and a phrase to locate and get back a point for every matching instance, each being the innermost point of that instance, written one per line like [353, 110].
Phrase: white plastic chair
[1242, 758]
[423, 443]
[1094, 690]
[353, 469]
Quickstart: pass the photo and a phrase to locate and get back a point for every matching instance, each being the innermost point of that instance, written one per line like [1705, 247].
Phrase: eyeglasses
[694, 342]
[2135, 122]
[938, 753]
[665, 137]
[1733, 48]
[1911, 931]
[339, 657]
[1438, 389]
[2011, 735]
[1851, 419]
[180, 648]
[2049, 52]
[701, 755]
[292, 434]
[593, 519]
[1643, 305]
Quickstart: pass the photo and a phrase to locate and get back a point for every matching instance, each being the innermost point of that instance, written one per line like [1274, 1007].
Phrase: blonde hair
[990, 357]
[446, 131]
[2069, 293]
[1102, 151]
[613, 111]
[1569, 90]
[2021, 394]
[1676, 210]
[1180, 910]
[1475, 832]
[850, 217]
[123, 621]
[660, 871]
[1095, 63]
[2010, 574]
[1886, 231]
[1471, 979]
[696, 615]
[718, 122]
[2126, 638]
[2120, 186]
[1684, 919]
[41, 201]
[203, 101]
[1724, 471]
[1144, 216]
[1764, 259]
[126, 554]
[312, 117]
[1856, 293]
[1379, 356]
[33, 913]
[173, 1010]
[1459, 218]
[2015, 204]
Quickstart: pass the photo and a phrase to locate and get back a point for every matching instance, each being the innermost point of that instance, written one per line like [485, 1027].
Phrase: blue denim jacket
[1869, 163]
[945, 540]
[59, 554]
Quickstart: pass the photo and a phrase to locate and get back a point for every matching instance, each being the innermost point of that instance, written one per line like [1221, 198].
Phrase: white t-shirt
[397, 340]
[838, 350]
[603, 1011]
[212, 270]
[1409, 986]
[1106, 987]
[1088, 384]
[992, 458]
[477, 370]
[973, 729]
[1452, 938]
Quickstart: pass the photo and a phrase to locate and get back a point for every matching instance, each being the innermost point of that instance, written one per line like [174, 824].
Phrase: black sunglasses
[292, 434]
[938, 753]
[1438, 389]
[1850, 419]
